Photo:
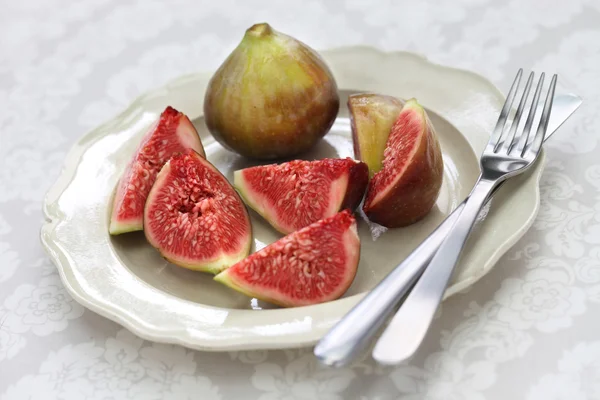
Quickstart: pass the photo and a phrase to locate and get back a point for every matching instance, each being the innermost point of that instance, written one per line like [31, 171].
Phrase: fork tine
[518, 149]
[497, 134]
[509, 141]
[533, 149]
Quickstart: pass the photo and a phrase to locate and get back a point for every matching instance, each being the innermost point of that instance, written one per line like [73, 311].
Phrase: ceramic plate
[126, 280]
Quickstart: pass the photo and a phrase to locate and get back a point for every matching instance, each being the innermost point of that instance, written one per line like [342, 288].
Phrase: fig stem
[259, 30]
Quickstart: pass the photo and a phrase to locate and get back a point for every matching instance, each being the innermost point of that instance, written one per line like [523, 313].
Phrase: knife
[352, 333]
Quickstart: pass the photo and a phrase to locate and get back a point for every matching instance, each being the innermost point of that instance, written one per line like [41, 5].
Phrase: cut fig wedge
[195, 218]
[372, 116]
[313, 265]
[295, 194]
[172, 133]
[408, 185]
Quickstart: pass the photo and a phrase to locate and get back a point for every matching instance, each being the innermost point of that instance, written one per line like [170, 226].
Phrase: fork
[507, 154]
[351, 334]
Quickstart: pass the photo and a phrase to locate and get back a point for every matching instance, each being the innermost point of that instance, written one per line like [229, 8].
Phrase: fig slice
[312, 265]
[372, 116]
[408, 185]
[173, 132]
[295, 194]
[194, 217]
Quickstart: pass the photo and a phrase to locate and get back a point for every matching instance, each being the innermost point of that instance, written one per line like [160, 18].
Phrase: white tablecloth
[528, 330]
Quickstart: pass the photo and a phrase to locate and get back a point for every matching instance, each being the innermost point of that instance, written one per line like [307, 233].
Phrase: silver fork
[506, 155]
[351, 334]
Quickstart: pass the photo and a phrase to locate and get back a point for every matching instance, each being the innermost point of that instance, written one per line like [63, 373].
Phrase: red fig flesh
[295, 194]
[313, 265]
[194, 217]
[407, 187]
[171, 134]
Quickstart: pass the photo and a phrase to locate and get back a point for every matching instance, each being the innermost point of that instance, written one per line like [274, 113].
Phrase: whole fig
[273, 97]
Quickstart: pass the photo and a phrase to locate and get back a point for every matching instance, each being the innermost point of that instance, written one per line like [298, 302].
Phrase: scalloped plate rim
[60, 257]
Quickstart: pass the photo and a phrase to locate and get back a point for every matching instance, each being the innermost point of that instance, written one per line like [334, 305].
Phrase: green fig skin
[372, 116]
[273, 97]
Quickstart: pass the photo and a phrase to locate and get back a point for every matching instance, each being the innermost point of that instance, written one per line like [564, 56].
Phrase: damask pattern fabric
[527, 330]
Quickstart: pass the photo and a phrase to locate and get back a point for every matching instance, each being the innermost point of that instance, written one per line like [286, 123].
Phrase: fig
[372, 116]
[295, 194]
[408, 185]
[173, 132]
[273, 97]
[312, 265]
[194, 217]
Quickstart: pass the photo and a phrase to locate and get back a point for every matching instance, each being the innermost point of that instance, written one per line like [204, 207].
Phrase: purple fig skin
[273, 97]
[359, 178]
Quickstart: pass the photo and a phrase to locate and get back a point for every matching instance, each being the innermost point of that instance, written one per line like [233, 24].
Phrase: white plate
[126, 280]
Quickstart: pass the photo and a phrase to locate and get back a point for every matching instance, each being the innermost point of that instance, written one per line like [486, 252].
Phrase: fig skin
[273, 97]
[415, 192]
[372, 117]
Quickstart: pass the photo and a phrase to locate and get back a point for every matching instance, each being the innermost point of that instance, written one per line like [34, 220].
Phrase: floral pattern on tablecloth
[527, 330]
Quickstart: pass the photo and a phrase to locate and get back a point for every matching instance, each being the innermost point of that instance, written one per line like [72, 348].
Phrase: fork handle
[412, 321]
